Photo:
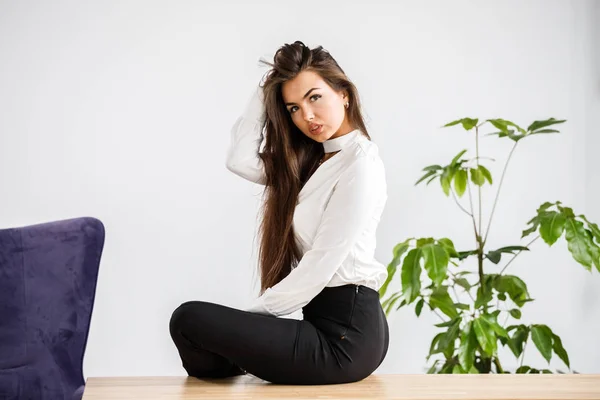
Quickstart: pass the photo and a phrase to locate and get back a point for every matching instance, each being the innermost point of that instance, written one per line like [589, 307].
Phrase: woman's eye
[314, 96]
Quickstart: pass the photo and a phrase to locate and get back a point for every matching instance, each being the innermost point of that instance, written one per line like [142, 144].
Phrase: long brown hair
[289, 156]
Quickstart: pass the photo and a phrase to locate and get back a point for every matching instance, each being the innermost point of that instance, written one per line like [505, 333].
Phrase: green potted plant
[431, 271]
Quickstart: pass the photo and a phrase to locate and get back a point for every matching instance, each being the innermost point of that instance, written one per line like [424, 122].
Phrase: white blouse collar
[338, 143]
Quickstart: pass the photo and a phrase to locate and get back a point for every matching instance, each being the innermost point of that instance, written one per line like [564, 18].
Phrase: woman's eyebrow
[307, 93]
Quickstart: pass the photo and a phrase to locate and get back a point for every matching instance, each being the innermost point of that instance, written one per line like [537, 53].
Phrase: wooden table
[567, 386]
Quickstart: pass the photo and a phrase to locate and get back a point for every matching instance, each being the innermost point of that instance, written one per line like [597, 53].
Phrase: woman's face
[312, 103]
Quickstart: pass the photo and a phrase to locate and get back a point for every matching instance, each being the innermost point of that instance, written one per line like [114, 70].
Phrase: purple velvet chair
[48, 275]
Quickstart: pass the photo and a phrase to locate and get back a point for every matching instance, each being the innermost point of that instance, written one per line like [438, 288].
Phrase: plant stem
[472, 214]
[498, 366]
[477, 162]
[436, 313]
[523, 354]
[507, 313]
[478, 233]
[519, 252]
[498, 192]
[461, 207]
[468, 292]
[455, 294]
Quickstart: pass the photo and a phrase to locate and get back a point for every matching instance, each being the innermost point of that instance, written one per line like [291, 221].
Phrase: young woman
[325, 190]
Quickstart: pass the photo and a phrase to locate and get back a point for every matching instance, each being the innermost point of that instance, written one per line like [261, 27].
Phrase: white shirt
[335, 219]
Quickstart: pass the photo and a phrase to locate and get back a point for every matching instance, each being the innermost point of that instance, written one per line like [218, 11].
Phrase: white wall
[121, 110]
[592, 92]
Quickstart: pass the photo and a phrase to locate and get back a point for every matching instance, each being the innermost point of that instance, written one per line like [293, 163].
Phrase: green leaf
[523, 369]
[517, 341]
[457, 369]
[455, 159]
[542, 337]
[450, 335]
[402, 304]
[436, 262]
[434, 167]
[484, 291]
[486, 173]
[433, 368]
[565, 210]
[390, 301]
[411, 275]
[458, 121]
[503, 125]
[515, 313]
[499, 124]
[398, 251]
[485, 336]
[448, 365]
[467, 123]
[494, 256]
[425, 241]
[477, 177]
[595, 253]
[552, 226]
[464, 254]
[511, 249]
[559, 350]
[460, 182]
[513, 286]
[514, 137]
[544, 207]
[442, 300]
[445, 324]
[430, 179]
[427, 175]
[579, 243]
[463, 273]
[468, 344]
[463, 282]
[593, 228]
[535, 221]
[535, 125]
[445, 180]
[449, 246]
[419, 307]
[491, 320]
[433, 348]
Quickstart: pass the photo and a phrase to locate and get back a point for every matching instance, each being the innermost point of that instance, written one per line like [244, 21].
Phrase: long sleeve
[245, 139]
[348, 213]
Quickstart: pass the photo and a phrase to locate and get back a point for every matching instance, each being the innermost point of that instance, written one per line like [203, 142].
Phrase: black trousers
[343, 337]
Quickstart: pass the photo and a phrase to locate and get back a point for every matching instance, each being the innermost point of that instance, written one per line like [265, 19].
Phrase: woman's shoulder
[364, 152]
[363, 157]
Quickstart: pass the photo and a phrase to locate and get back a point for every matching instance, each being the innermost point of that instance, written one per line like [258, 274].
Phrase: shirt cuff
[258, 307]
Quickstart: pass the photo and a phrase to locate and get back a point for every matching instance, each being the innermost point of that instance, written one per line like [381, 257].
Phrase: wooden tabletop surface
[433, 387]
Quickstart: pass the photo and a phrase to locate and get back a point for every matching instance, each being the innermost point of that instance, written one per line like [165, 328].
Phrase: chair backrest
[48, 276]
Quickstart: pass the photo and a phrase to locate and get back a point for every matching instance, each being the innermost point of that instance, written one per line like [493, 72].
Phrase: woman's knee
[182, 315]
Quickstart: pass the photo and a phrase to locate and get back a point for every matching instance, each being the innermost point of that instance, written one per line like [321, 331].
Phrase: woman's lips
[317, 130]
